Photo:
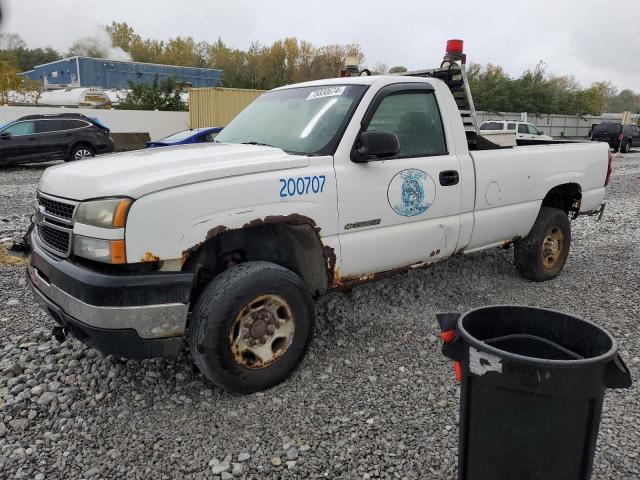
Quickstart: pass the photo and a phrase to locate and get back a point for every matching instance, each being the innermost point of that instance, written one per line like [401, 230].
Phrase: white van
[524, 131]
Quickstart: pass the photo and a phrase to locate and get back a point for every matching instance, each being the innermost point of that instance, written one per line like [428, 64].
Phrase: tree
[398, 69]
[534, 91]
[159, 95]
[14, 50]
[380, 69]
[32, 90]
[626, 100]
[10, 81]
[11, 41]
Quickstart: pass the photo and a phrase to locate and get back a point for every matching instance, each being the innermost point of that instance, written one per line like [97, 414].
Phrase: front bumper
[133, 316]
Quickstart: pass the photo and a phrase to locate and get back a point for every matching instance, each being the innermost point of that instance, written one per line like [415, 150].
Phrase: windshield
[303, 120]
[180, 135]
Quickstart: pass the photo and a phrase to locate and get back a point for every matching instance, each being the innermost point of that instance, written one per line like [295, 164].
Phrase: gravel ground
[373, 399]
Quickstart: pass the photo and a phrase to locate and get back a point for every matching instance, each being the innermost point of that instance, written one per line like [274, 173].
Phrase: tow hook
[59, 333]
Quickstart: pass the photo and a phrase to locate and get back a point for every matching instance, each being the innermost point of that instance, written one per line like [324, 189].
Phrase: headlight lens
[107, 213]
[106, 251]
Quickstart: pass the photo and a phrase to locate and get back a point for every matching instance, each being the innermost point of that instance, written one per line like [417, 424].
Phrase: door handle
[449, 177]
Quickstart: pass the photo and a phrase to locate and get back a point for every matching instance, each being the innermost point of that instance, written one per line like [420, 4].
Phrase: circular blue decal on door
[411, 192]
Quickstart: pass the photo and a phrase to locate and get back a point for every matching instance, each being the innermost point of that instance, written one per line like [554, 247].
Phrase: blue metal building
[97, 72]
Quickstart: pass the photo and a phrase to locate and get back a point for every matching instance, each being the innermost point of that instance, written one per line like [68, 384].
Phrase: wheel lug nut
[270, 330]
[263, 340]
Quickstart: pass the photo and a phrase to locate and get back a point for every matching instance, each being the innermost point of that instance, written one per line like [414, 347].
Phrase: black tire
[626, 147]
[216, 319]
[80, 152]
[549, 238]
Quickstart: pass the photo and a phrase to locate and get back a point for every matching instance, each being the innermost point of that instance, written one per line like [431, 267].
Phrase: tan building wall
[216, 107]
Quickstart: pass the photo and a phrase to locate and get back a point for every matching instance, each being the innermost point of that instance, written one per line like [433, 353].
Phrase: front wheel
[251, 327]
[541, 255]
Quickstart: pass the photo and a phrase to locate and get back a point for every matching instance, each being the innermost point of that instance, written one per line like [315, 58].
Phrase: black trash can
[533, 382]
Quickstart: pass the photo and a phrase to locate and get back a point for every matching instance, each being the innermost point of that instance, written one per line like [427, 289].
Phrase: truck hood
[139, 173]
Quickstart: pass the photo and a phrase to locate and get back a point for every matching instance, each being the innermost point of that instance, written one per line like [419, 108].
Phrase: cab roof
[364, 80]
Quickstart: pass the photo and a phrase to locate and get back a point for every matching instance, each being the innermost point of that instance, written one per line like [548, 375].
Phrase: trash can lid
[536, 336]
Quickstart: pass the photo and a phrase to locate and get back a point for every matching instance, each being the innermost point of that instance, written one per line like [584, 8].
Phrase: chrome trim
[42, 216]
[58, 199]
[149, 321]
[56, 218]
[56, 227]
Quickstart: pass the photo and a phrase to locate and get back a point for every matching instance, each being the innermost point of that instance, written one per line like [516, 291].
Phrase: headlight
[106, 251]
[107, 213]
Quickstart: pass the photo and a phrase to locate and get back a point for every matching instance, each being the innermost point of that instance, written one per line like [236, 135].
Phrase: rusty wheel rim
[552, 247]
[262, 332]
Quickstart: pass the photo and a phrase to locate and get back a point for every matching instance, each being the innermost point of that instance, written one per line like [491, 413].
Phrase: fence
[157, 124]
[560, 126]
[216, 107]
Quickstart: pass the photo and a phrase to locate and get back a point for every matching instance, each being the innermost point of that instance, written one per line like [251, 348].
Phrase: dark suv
[40, 138]
[618, 137]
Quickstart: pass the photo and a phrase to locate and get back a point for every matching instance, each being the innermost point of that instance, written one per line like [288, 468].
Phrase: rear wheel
[626, 146]
[80, 152]
[251, 327]
[541, 255]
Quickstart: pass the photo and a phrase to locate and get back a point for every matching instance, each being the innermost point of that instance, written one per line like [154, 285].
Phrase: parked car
[524, 131]
[41, 138]
[313, 187]
[618, 137]
[194, 135]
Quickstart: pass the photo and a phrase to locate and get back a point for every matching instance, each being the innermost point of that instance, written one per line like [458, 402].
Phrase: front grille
[54, 218]
[57, 209]
[57, 240]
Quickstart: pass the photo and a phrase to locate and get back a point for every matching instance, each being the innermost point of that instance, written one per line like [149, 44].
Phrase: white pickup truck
[313, 187]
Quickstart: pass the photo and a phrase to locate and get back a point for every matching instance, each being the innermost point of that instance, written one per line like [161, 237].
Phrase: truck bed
[511, 183]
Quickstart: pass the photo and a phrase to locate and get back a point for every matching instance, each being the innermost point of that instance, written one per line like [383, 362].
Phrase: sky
[584, 38]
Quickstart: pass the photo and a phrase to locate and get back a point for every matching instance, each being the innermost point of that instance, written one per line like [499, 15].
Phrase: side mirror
[376, 146]
[5, 136]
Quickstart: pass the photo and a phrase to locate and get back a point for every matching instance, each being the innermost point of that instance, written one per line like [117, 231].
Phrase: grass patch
[10, 260]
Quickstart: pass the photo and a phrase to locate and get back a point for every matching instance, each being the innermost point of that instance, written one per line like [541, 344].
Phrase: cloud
[585, 38]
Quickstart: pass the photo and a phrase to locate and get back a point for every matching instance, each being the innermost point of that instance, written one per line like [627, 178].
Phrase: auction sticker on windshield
[326, 92]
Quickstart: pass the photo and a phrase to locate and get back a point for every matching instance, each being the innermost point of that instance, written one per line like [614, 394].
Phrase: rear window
[607, 128]
[58, 125]
[491, 126]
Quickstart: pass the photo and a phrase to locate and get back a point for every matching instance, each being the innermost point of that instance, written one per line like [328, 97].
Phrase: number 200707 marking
[301, 185]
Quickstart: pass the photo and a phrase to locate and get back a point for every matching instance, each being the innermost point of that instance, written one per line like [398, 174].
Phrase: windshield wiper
[290, 152]
[258, 143]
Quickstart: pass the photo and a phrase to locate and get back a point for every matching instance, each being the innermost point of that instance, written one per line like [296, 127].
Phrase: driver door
[523, 132]
[19, 142]
[404, 210]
